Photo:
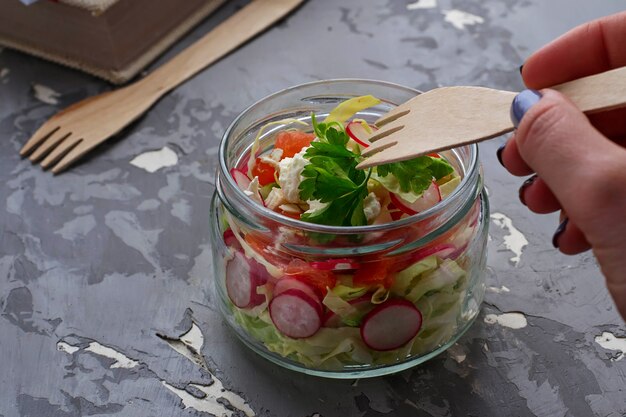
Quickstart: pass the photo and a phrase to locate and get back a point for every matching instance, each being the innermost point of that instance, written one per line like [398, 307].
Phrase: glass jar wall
[379, 298]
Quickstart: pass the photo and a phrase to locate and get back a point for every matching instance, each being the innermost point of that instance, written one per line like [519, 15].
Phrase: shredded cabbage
[444, 277]
[391, 183]
[406, 279]
[350, 107]
[348, 293]
[338, 305]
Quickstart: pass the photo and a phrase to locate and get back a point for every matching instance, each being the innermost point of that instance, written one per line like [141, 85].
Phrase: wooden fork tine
[57, 153]
[381, 134]
[49, 144]
[387, 153]
[37, 138]
[394, 114]
[73, 155]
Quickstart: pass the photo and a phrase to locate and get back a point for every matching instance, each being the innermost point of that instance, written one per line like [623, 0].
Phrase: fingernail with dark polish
[521, 67]
[523, 188]
[499, 153]
[559, 231]
[522, 103]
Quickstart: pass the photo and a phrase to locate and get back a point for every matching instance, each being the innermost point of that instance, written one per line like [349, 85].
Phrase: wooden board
[115, 45]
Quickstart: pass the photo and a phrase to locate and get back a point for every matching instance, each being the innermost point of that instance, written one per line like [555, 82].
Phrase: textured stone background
[105, 269]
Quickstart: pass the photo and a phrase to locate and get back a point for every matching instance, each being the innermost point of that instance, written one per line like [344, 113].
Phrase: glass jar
[433, 261]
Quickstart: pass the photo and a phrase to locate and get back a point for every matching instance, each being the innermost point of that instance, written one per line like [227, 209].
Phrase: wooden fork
[71, 133]
[448, 117]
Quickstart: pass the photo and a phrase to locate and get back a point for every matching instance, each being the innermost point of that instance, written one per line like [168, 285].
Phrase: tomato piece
[319, 280]
[264, 171]
[292, 142]
[376, 272]
[262, 244]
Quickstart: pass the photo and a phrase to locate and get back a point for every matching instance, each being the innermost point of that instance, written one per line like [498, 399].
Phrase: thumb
[584, 170]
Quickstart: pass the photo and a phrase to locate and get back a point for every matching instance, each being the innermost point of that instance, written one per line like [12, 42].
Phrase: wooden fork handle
[604, 91]
[238, 29]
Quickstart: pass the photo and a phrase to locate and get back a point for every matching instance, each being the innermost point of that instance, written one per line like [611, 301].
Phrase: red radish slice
[394, 212]
[357, 131]
[391, 325]
[231, 240]
[295, 314]
[285, 284]
[243, 276]
[240, 177]
[429, 198]
[342, 264]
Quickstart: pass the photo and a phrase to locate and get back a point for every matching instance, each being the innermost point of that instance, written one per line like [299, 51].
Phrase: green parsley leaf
[416, 175]
[332, 178]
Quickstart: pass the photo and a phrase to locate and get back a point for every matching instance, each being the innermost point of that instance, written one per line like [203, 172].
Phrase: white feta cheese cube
[290, 176]
[371, 207]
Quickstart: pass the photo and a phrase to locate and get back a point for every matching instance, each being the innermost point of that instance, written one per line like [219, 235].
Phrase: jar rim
[438, 208]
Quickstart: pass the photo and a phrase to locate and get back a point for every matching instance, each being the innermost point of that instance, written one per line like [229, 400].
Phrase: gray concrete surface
[105, 271]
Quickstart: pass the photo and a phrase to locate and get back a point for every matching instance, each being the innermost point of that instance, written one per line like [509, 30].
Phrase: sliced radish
[295, 314]
[394, 211]
[286, 283]
[243, 276]
[363, 305]
[391, 325]
[429, 198]
[243, 181]
[231, 240]
[358, 133]
[240, 177]
[342, 264]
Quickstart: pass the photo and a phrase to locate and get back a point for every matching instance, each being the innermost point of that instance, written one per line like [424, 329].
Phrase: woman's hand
[579, 161]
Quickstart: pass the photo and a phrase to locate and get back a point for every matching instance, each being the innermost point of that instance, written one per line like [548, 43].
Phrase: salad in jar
[336, 312]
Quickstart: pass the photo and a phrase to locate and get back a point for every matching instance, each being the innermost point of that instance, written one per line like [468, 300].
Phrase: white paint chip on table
[497, 290]
[510, 320]
[611, 342]
[457, 352]
[121, 360]
[193, 340]
[460, 19]
[67, 348]
[152, 161]
[210, 403]
[422, 4]
[515, 241]
[46, 94]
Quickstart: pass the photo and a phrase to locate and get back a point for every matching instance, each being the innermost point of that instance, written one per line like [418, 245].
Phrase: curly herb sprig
[332, 178]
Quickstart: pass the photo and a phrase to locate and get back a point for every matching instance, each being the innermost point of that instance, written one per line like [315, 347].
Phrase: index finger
[588, 49]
